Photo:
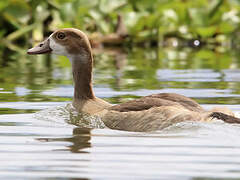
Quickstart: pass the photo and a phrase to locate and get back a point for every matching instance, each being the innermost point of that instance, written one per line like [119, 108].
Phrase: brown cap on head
[73, 40]
[42, 48]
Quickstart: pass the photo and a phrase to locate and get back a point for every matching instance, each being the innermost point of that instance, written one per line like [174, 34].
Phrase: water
[41, 139]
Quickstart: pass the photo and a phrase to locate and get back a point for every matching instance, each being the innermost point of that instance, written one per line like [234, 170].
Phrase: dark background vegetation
[146, 21]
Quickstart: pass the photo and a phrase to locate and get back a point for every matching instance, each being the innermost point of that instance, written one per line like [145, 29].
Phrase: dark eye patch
[61, 35]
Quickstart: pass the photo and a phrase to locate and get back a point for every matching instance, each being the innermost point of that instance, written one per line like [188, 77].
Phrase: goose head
[74, 44]
[68, 42]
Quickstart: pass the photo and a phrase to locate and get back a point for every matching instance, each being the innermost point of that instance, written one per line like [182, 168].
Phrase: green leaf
[20, 32]
[226, 28]
[206, 31]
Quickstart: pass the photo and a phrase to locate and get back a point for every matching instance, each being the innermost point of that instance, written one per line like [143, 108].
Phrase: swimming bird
[149, 113]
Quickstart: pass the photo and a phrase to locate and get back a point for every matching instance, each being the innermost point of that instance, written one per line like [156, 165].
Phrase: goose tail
[224, 117]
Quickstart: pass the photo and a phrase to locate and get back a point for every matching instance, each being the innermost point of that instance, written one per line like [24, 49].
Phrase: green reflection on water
[119, 69]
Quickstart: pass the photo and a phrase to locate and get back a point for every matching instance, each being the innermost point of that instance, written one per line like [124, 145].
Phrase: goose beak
[41, 48]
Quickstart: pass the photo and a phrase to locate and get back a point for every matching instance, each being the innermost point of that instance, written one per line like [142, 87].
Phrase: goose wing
[158, 100]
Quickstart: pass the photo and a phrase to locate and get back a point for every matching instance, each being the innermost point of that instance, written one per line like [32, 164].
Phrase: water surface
[40, 140]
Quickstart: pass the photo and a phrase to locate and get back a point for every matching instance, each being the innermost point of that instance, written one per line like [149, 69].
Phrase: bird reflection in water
[79, 141]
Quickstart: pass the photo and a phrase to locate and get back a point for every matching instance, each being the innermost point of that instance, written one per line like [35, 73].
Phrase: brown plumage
[149, 113]
[156, 100]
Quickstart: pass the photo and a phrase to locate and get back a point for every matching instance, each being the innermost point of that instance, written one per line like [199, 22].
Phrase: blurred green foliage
[213, 21]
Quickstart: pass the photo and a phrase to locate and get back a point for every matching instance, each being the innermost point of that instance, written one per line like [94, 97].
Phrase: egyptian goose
[148, 113]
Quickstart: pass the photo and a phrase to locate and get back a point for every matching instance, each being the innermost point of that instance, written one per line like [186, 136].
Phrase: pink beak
[41, 48]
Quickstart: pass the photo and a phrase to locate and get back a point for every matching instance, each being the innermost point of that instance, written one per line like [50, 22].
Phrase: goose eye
[61, 35]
